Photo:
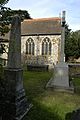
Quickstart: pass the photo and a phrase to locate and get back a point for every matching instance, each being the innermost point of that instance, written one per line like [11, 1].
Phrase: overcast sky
[50, 8]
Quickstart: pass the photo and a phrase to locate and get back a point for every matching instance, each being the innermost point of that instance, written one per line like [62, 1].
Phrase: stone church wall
[38, 58]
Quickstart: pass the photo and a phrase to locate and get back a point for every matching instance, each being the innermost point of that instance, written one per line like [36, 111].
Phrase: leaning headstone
[60, 81]
[17, 103]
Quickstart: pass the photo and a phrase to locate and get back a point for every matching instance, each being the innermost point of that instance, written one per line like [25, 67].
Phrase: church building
[40, 41]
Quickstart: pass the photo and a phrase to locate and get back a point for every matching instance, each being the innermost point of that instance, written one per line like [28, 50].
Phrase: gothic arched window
[30, 46]
[46, 46]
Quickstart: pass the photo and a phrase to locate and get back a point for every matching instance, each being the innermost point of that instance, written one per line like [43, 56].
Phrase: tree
[72, 43]
[6, 15]
[67, 41]
[74, 39]
[3, 2]
[22, 13]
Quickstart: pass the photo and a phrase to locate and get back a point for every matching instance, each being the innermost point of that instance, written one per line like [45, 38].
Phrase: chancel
[40, 41]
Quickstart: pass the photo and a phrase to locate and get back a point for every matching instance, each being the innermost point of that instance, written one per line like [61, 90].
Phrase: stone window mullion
[30, 46]
[44, 48]
[48, 48]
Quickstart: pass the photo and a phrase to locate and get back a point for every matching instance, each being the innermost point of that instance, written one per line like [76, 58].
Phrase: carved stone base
[60, 80]
[16, 102]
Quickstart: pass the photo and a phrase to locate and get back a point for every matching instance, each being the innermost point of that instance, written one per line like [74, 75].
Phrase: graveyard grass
[47, 104]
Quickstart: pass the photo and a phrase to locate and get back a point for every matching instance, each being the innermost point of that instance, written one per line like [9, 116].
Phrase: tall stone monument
[18, 105]
[60, 81]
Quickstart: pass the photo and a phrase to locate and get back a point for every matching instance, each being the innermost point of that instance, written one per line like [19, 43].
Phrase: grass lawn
[47, 105]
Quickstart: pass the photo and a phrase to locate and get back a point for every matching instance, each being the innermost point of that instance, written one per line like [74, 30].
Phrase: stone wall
[38, 58]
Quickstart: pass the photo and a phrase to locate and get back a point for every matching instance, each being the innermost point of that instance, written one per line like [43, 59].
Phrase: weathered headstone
[18, 105]
[60, 81]
[74, 115]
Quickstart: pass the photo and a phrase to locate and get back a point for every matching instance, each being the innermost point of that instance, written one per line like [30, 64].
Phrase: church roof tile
[41, 26]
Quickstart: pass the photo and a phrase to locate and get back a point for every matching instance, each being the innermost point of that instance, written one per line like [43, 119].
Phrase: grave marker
[17, 103]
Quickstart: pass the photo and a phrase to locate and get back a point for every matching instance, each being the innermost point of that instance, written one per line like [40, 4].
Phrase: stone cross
[60, 81]
[62, 44]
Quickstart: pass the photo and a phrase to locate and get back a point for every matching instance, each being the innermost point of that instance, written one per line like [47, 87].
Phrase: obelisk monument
[60, 81]
[18, 104]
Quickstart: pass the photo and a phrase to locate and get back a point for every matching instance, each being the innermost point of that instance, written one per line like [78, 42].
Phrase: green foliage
[72, 43]
[4, 29]
[37, 79]
[6, 15]
[3, 2]
[67, 42]
[22, 13]
[74, 73]
[6, 18]
[47, 105]
[76, 83]
[41, 112]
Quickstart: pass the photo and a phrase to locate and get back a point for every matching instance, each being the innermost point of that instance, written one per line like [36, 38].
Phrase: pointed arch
[46, 46]
[30, 46]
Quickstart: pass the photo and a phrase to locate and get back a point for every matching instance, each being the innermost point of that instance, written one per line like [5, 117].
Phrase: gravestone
[17, 103]
[37, 67]
[74, 115]
[60, 81]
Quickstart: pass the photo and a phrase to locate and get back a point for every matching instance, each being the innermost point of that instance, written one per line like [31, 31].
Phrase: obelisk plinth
[17, 102]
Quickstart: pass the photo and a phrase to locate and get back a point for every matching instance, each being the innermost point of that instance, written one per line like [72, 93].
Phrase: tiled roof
[41, 26]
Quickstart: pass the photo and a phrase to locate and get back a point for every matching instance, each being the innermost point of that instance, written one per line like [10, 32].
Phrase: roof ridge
[41, 19]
